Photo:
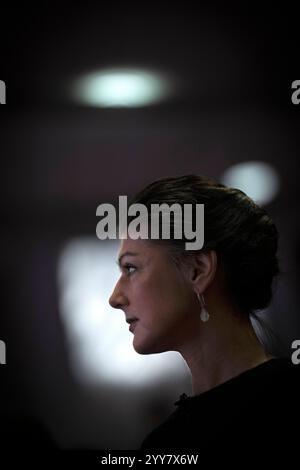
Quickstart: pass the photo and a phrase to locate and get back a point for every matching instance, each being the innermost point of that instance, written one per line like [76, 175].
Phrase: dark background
[60, 160]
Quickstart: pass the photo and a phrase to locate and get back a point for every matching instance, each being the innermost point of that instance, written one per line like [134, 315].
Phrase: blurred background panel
[102, 100]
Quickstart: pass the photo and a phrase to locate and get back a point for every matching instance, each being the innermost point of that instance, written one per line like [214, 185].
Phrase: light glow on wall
[258, 180]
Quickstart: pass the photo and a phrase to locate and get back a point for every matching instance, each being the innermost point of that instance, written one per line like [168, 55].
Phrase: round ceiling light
[257, 179]
[121, 88]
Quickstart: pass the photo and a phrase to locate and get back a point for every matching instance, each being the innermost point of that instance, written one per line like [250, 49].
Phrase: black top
[256, 412]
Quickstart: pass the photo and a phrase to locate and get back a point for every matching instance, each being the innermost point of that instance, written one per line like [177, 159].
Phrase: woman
[199, 303]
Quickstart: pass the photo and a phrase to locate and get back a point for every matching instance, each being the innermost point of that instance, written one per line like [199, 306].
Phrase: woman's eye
[129, 268]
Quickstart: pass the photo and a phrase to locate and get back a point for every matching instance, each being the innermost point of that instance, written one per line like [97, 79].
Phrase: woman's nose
[117, 299]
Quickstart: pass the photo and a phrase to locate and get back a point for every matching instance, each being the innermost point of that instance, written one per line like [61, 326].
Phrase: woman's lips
[132, 325]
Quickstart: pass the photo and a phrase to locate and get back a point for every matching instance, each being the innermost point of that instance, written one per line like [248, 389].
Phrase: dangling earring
[204, 315]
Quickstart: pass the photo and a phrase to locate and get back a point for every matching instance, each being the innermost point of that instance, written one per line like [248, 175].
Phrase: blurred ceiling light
[100, 344]
[121, 88]
[257, 179]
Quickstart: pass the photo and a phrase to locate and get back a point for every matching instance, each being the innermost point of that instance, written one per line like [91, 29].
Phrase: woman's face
[153, 291]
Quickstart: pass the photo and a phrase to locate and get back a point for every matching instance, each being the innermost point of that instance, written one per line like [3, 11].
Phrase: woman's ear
[203, 270]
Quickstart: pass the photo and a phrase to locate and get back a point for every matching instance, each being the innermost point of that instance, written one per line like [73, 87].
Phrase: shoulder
[279, 374]
[261, 402]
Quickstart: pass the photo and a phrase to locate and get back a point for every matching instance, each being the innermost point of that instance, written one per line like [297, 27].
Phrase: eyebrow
[127, 253]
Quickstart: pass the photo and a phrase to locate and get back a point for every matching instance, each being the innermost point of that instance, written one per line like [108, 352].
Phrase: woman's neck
[221, 352]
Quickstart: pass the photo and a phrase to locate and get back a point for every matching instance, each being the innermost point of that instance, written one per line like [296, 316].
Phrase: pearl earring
[204, 315]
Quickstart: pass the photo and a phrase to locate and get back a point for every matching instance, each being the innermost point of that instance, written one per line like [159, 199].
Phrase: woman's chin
[142, 348]
[146, 347]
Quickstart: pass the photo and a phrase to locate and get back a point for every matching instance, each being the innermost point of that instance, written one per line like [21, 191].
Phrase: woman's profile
[200, 303]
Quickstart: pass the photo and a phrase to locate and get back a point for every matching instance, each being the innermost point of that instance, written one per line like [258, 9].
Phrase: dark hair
[243, 235]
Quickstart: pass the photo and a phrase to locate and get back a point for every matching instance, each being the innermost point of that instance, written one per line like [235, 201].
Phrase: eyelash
[127, 266]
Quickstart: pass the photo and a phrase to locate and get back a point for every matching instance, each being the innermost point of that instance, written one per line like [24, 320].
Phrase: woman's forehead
[135, 246]
[139, 247]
